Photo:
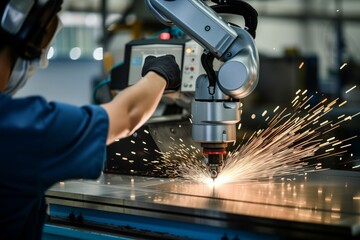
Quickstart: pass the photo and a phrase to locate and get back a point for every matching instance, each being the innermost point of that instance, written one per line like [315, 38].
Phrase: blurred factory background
[303, 44]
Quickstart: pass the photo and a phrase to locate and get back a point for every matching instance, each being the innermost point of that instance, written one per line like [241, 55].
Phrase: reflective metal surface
[327, 201]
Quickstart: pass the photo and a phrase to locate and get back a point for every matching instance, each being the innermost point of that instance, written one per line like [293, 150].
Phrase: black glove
[166, 67]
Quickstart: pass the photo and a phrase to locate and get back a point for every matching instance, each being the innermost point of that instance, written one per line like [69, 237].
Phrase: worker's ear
[29, 26]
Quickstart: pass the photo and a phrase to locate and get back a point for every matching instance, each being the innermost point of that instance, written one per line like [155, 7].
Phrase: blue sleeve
[45, 142]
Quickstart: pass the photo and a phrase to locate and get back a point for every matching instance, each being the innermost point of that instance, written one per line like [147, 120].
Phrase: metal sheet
[326, 201]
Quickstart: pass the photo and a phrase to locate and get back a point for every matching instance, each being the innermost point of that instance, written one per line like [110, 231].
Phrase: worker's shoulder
[37, 110]
[7, 102]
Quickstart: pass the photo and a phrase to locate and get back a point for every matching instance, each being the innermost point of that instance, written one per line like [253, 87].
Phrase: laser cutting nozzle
[215, 162]
[215, 153]
[213, 172]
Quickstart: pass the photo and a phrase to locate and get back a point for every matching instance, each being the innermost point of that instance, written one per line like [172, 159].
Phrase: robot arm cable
[207, 63]
[239, 7]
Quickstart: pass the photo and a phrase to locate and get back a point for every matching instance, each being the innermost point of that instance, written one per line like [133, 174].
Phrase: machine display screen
[129, 73]
[140, 52]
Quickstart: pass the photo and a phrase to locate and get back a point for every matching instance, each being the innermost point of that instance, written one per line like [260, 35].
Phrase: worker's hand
[166, 67]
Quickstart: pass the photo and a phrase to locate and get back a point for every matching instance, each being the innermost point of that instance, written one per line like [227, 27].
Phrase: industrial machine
[216, 108]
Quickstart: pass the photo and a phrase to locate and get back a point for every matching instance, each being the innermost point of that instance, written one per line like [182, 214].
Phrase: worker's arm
[132, 107]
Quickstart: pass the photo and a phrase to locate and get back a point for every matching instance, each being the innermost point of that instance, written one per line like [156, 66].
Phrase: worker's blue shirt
[42, 143]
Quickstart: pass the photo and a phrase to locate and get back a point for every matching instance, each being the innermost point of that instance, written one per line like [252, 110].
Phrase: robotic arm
[216, 109]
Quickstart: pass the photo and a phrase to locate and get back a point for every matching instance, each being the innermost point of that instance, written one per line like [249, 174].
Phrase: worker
[42, 143]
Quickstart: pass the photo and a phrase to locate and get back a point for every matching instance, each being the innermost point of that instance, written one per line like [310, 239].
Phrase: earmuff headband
[27, 25]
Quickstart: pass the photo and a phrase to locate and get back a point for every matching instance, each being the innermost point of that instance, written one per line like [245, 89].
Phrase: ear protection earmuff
[29, 25]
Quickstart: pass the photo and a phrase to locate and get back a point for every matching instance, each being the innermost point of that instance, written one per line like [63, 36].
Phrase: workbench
[324, 204]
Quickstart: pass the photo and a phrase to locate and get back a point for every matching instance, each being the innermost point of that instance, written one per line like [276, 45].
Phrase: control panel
[192, 67]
